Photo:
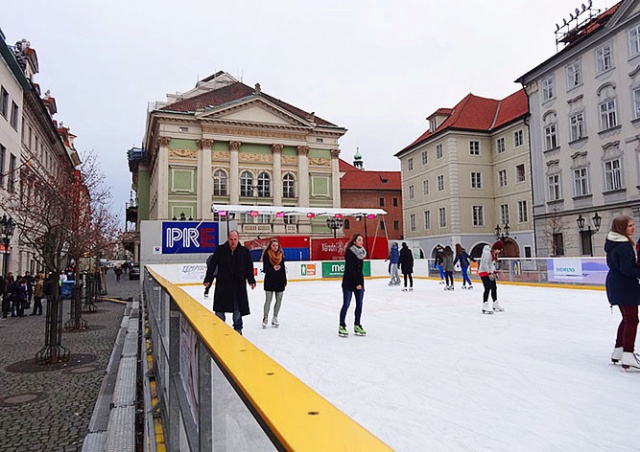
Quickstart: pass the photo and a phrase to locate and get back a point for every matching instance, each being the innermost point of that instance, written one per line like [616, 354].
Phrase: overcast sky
[377, 68]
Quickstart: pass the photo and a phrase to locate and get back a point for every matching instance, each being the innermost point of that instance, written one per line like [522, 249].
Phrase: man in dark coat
[232, 266]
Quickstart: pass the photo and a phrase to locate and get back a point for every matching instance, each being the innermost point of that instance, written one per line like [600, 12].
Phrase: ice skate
[404, 289]
[464, 287]
[342, 331]
[630, 360]
[497, 307]
[616, 356]
[264, 321]
[274, 322]
[359, 331]
[486, 308]
[410, 289]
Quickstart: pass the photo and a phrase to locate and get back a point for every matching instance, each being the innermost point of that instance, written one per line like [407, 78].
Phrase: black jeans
[489, 287]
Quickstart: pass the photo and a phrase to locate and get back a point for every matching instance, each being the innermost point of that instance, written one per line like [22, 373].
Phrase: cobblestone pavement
[48, 408]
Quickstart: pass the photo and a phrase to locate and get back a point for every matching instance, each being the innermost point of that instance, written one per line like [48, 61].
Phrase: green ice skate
[359, 330]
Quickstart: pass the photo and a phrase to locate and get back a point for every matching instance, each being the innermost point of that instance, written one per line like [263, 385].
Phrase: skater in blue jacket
[464, 259]
[394, 258]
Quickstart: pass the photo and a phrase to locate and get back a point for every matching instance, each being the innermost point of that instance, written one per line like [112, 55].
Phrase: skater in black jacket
[406, 266]
[353, 284]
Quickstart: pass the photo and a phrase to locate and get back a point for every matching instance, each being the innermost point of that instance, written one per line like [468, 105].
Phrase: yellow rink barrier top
[300, 418]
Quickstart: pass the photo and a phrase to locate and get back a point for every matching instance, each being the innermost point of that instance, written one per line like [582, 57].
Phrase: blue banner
[181, 237]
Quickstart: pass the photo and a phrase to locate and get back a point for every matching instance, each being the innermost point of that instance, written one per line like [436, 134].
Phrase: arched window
[246, 183]
[288, 186]
[264, 185]
[219, 183]
[347, 224]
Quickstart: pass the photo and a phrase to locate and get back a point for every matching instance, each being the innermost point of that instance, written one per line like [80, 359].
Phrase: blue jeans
[465, 275]
[237, 317]
[346, 301]
[441, 271]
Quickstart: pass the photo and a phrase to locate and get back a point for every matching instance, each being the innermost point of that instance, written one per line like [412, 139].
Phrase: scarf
[274, 258]
[359, 252]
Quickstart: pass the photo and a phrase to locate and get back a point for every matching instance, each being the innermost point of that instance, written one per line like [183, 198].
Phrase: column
[162, 174]
[234, 172]
[276, 149]
[335, 177]
[303, 176]
[205, 181]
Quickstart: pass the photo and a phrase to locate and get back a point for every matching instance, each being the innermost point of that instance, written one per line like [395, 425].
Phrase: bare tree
[554, 231]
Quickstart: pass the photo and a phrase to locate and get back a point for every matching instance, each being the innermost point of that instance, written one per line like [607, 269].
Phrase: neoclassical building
[224, 142]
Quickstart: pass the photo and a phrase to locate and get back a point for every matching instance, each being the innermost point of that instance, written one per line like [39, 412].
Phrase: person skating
[447, 266]
[406, 266]
[487, 272]
[394, 258]
[623, 289]
[438, 262]
[275, 280]
[353, 284]
[464, 258]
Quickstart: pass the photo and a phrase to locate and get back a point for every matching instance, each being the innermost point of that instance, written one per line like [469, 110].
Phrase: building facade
[227, 143]
[584, 130]
[467, 178]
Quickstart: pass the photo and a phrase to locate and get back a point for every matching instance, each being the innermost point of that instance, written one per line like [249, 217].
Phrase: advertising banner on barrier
[182, 237]
[585, 271]
[336, 269]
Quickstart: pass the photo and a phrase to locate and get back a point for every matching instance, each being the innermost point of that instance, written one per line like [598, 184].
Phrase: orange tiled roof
[598, 22]
[232, 93]
[355, 179]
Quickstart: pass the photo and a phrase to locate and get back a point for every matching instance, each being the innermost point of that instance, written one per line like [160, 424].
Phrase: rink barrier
[217, 391]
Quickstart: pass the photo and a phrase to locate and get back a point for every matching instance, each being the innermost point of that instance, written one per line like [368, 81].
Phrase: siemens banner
[179, 237]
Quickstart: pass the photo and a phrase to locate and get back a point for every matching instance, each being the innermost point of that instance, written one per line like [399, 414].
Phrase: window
[550, 137]
[504, 213]
[381, 202]
[395, 202]
[557, 244]
[441, 182]
[612, 175]
[383, 226]
[219, 183]
[246, 184]
[520, 174]
[478, 216]
[554, 187]
[576, 127]
[585, 243]
[476, 180]
[12, 174]
[410, 164]
[15, 114]
[412, 221]
[264, 185]
[439, 151]
[412, 193]
[548, 90]
[425, 187]
[581, 182]
[427, 219]
[608, 114]
[288, 186]
[527, 251]
[636, 103]
[346, 224]
[523, 216]
[396, 225]
[424, 158]
[500, 145]
[574, 75]
[3, 156]
[518, 138]
[442, 217]
[502, 178]
[4, 102]
[634, 41]
[474, 148]
[604, 59]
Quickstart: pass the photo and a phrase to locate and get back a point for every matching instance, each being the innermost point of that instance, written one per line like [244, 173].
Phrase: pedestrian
[38, 292]
[394, 258]
[406, 266]
[13, 289]
[438, 262]
[447, 266]
[231, 265]
[353, 284]
[622, 288]
[118, 272]
[488, 275]
[31, 281]
[464, 258]
[275, 280]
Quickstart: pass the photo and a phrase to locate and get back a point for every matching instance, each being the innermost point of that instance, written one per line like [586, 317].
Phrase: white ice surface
[434, 374]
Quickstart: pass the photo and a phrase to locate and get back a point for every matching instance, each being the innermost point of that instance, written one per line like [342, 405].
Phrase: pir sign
[179, 237]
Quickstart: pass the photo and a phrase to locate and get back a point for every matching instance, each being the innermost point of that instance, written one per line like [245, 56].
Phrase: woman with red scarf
[275, 280]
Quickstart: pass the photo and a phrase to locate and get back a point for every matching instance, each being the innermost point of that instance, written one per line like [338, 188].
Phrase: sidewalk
[49, 407]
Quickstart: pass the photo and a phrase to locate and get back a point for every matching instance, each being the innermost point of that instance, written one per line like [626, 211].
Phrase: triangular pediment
[256, 111]
[626, 10]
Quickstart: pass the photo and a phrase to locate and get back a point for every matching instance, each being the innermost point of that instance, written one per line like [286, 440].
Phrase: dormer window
[433, 125]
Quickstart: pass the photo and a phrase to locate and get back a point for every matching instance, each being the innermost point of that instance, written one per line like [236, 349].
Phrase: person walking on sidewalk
[353, 284]
[406, 266]
[488, 275]
[447, 266]
[463, 257]
[275, 280]
[231, 265]
[38, 293]
[622, 288]
[394, 258]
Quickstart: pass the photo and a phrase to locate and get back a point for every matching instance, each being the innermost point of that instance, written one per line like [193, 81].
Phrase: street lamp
[334, 223]
[7, 226]
[597, 221]
[499, 234]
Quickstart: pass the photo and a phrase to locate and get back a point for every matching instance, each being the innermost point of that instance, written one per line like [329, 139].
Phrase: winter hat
[498, 245]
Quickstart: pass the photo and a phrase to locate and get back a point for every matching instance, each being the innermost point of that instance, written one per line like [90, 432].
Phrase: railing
[216, 391]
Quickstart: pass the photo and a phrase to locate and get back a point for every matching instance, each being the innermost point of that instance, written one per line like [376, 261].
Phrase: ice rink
[434, 374]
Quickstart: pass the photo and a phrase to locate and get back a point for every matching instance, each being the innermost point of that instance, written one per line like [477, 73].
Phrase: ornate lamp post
[502, 235]
[334, 223]
[597, 222]
[7, 226]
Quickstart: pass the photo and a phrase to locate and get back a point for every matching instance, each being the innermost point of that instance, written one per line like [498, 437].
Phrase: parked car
[134, 272]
